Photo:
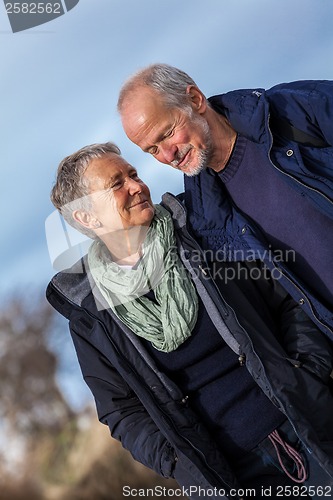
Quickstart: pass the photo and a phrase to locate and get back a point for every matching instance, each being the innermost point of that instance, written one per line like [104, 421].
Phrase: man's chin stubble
[195, 171]
[203, 164]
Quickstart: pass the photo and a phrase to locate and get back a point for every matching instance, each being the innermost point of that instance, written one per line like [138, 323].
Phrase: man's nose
[168, 152]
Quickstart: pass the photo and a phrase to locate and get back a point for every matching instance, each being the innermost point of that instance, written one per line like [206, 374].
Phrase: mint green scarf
[170, 321]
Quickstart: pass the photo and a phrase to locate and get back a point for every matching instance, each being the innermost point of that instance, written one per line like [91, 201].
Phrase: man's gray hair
[71, 190]
[170, 82]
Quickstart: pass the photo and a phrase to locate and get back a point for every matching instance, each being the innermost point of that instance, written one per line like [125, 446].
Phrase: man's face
[119, 198]
[180, 138]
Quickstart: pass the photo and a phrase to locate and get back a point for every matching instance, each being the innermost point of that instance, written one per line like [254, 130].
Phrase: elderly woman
[222, 386]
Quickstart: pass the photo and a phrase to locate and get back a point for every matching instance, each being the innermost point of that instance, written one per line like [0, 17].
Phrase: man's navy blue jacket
[215, 220]
[147, 411]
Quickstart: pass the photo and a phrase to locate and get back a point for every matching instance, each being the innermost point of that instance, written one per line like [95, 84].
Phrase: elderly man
[221, 387]
[268, 187]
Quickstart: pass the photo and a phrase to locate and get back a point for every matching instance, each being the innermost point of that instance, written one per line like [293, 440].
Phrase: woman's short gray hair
[170, 82]
[71, 191]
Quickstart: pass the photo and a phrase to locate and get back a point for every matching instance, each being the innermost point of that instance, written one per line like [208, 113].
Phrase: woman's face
[119, 198]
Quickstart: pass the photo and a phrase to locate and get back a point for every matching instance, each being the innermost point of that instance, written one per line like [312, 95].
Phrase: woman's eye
[116, 185]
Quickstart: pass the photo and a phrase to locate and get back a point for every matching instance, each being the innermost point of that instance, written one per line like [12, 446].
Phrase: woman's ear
[197, 98]
[86, 219]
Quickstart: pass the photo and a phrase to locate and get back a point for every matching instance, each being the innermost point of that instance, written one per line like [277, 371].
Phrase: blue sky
[60, 81]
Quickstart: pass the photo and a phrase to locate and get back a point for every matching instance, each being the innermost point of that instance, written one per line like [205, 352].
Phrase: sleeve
[119, 408]
[307, 105]
[306, 345]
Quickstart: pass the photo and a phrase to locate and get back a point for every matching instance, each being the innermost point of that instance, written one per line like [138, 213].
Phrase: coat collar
[247, 112]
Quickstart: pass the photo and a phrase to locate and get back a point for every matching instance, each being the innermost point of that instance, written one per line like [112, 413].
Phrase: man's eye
[168, 134]
[153, 151]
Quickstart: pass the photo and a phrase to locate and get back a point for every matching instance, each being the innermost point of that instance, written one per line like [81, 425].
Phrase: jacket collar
[247, 112]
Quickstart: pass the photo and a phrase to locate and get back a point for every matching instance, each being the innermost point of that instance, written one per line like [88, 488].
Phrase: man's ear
[86, 219]
[198, 100]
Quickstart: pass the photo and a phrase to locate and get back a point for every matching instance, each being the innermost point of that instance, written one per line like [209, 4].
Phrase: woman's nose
[134, 186]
